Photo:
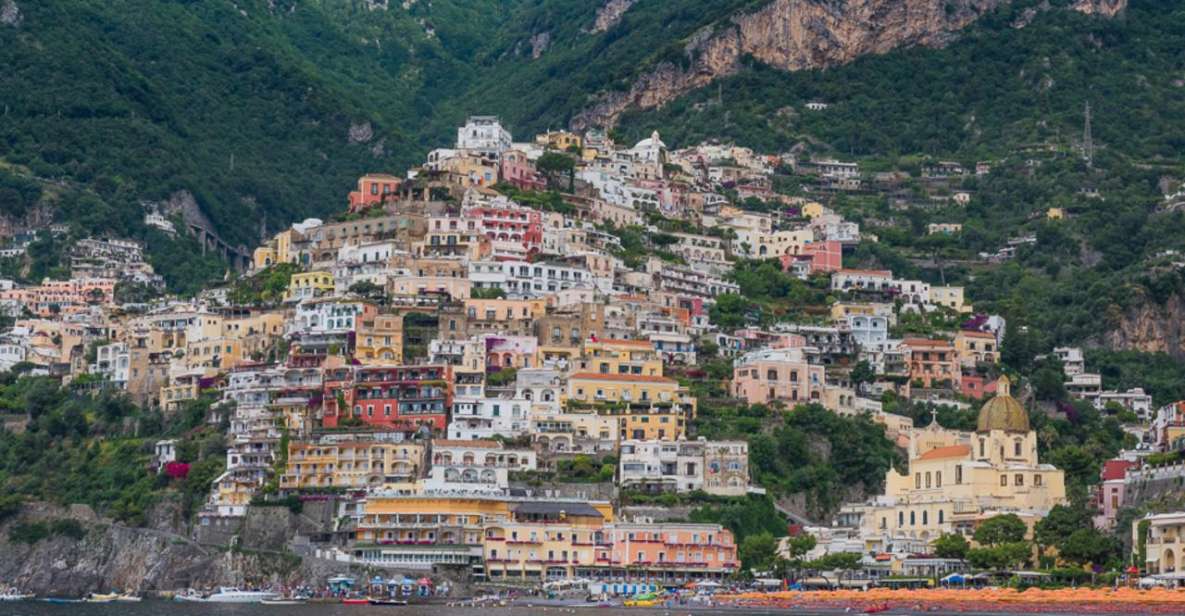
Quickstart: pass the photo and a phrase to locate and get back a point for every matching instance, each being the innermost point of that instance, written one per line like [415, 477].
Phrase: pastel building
[781, 374]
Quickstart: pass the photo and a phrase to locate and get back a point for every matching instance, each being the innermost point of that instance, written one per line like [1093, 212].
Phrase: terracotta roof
[1116, 469]
[884, 273]
[466, 443]
[637, 378]
[923, 342]
[954, 451]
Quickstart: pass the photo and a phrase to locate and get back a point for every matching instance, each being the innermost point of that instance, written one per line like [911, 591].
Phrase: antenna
[1087, 141]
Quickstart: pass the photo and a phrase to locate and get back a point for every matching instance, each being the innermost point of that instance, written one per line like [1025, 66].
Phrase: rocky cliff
[801, 34]
[110, 556]
[1150, 327]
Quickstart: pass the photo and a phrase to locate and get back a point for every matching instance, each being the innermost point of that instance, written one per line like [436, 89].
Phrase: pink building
[677, 549]
[63, 296]
[826, 256]
[518, 170]
[1111, 492]
[768, 375]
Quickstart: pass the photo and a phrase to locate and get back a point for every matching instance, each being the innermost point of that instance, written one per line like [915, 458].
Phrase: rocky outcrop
[1106, 8]
[539, 44]
[610, 13]
[10, 13]
[802, 34]
[1150, 327]
[112, 556]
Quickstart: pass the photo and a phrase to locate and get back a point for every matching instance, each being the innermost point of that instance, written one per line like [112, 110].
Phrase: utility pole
[1087, 141]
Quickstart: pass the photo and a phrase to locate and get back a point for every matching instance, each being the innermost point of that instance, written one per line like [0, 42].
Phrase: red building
[509, 223]
[825, 256]
[394, 397]
[373, 189]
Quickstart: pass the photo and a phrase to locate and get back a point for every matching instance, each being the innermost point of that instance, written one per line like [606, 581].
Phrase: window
[1016, 448]
[900, 518]
[1037, 481]
[913, 518]
[1003, 480]
[958, 474]
[925, 518]
[927, 479]
[941, 517]
[981, 450]
[938, 479]
[1019, 480]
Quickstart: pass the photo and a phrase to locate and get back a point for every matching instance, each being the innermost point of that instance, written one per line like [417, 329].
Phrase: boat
[12, 594]
[96, 597]
[227, 594]
[356, 601]
[644, 600]
[127, 598]
[381, 601]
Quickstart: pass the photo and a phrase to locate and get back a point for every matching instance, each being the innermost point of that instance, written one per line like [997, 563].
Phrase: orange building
[933, 363]
[373, 189]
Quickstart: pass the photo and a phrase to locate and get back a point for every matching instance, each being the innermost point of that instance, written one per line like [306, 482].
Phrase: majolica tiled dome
[1003, 412]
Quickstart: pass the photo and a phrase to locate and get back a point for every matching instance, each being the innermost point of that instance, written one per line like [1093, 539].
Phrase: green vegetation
[33, 532]
[96, 448]
[265, 287]
[809, 450]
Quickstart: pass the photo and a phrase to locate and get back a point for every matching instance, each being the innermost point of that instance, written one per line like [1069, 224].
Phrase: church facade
[955, 480]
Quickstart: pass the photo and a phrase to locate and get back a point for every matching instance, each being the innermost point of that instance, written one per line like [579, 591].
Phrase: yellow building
[624, 357]
[306, 285]
[1055, 213]
[559, 140]
[379, 340]
[812, 209]
[276, 250]
[653, 423]
[594, 387]
[956, 480]
[545, 540]
[417, 531]
[841, 310]
[950, 297]
[351, 464]
[215, 353]
[975, 347]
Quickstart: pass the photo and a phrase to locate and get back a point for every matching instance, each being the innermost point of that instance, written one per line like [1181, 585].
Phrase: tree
[951, 545]
[554, 164]
[758, 551]
[367, 289]
[1088, 546]
[862, 373]
[1001, 556]
[1059, 524]
[1007, 528]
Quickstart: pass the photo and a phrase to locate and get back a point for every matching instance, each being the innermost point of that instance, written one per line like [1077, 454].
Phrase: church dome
[1003, 412]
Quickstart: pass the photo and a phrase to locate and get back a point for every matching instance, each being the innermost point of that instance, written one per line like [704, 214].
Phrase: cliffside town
[493, 366]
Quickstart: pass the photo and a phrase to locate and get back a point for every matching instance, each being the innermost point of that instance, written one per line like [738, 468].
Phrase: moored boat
[229, 595]
[356, 601]
[382, 601]
[283, 601]
[13, 594]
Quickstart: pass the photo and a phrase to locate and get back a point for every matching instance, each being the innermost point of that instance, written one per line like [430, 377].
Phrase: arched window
[1016, 448]
[927, 479]
[941, 517]
[913, 518]
[938, 479]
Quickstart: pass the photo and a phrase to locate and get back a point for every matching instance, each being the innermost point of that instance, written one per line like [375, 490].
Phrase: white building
[484, 134]
[716, 467]
[484, 418]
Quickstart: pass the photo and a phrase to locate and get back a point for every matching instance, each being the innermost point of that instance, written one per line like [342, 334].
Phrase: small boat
[381, 601]
[62, 600]
[12, 594]
[96, 597]
[356, 601]
[127, 598]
